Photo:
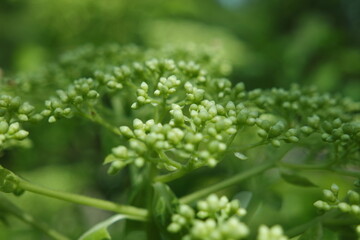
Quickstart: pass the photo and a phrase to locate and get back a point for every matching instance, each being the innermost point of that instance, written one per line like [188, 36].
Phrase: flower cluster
[215, 219]
[13, 111]
[273, 233]
[331, 201]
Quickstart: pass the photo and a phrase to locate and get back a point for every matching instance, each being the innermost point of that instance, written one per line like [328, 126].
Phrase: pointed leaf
[240, 156]
[298, 180]
[99, 231]
[110, 158]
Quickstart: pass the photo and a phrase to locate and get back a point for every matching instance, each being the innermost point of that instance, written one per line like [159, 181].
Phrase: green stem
[226, 183]
[171, 176]
[95, 117]
[131, 212]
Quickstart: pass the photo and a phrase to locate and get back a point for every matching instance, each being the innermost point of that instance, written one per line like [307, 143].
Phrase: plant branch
[226, 183]
[131, 212]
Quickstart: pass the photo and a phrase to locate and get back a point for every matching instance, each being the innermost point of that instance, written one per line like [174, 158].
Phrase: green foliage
[173, 117]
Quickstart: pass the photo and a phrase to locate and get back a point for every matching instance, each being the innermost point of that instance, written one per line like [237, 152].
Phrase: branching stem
[131, 212]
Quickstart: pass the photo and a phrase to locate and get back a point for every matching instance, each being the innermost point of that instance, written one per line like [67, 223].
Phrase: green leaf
[164, 205]
[297, 180]
[315, 232]
[99, 231]
[110, 158]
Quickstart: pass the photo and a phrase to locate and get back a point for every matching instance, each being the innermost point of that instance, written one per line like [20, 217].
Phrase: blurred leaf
[99, 231]
[315, 232]
[297, 180]
[164, 204]
[110, 158]
[274, 200]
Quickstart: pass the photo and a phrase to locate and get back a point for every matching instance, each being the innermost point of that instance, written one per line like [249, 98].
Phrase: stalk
[129, 211]
[226, 183]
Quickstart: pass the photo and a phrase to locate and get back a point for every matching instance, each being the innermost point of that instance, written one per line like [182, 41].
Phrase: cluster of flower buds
[215, 219]
[351, 204]
[9, 182]
[14, 109]
[82, 90]
[273, 233]
[12, 112]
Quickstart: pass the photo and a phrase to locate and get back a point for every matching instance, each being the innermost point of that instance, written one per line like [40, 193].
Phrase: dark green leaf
[298, 180]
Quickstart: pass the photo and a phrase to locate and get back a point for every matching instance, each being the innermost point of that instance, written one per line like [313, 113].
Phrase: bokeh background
[270, 43]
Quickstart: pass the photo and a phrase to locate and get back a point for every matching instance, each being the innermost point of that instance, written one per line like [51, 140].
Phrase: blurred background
[271, 43]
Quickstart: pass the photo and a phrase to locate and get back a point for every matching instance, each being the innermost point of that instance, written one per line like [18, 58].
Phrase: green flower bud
[13, 128]
[337, 123]
[120, 152]
[262, 133]
[186, 211]
[175, 135]
[335, 189]
[20, 135]
[126, 131]
[314, 121]
[9, 182]
[138, 146]
[277, 129]
[354, 197]
[92, 94]
[138, 124]
[275, 143]
[306, 130]
[355, 209]
[174, 227]
[327, 126]
[329, 195]
[116, 166]
[52, 119]
[344, 207]
[15, 103]
[4, 127]
[23, 117]
[322, 205]
[139, 162]
[26, 108]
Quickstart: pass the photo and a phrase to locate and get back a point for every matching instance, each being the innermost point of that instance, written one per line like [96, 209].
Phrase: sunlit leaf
[99, 231]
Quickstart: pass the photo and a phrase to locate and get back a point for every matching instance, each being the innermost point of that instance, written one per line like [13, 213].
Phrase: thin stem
[131, 212]
[95, 117]
[226, 183]
[171, 176]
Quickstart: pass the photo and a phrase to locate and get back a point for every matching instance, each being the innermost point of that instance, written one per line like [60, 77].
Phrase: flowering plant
[176, 119]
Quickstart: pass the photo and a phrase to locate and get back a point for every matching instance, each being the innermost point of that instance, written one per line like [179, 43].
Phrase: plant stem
[226, 183]
[131, 212]
[171, 176]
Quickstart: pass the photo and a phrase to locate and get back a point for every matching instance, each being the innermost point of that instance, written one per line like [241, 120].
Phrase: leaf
[99, 231]
[315, 232]
[110, 158]
[297, 180]
[274, 200]
[240, 156]
[164, 205]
